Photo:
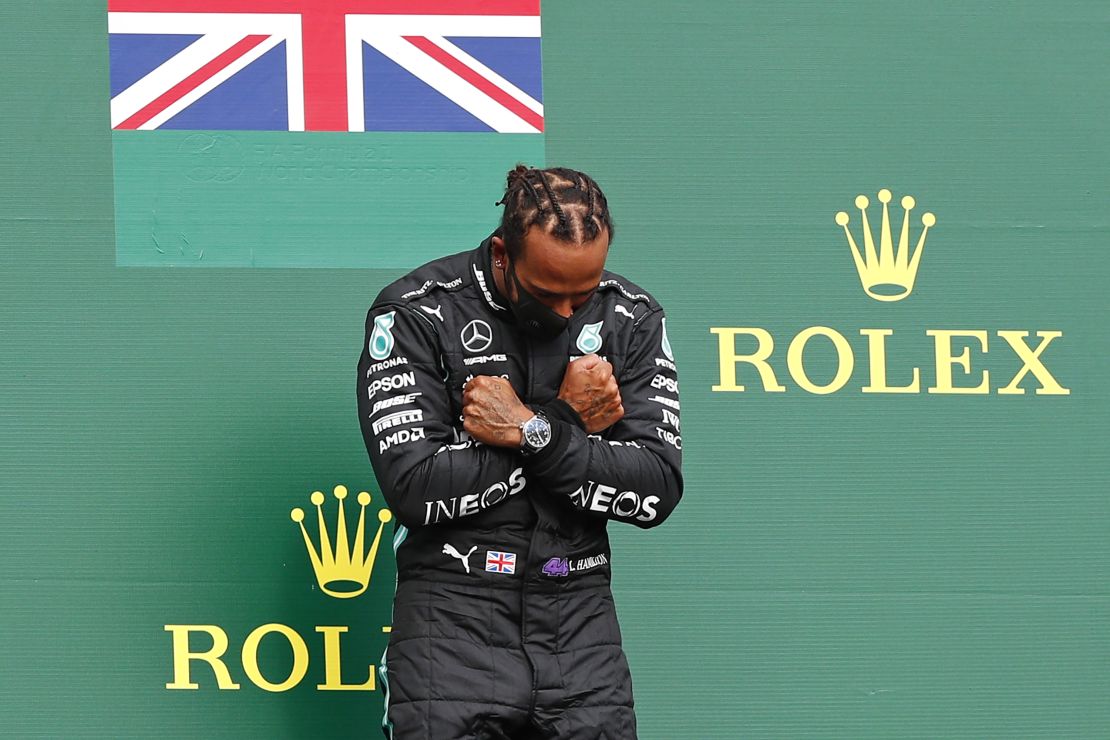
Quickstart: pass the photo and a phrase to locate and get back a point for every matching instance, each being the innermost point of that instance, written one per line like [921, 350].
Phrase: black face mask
[533, 316]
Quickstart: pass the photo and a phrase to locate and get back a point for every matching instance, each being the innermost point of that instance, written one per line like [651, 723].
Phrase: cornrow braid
[523, 179]
[562, 202]
[514, 181]
[589, 194]
[554, 201]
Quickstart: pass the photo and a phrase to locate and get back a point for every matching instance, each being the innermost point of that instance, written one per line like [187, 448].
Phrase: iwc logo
[887, 273]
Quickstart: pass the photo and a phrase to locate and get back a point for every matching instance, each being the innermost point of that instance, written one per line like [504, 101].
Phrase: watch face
[537, 432]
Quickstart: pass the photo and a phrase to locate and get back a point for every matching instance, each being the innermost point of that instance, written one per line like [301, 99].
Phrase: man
[514, 399]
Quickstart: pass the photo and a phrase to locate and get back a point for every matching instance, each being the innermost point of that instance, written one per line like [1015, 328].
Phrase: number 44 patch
[556, 567]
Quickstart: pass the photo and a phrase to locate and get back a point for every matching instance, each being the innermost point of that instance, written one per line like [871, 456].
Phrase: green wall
[844, 565]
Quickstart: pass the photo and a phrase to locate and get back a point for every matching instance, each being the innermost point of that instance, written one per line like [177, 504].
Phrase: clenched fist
[591, 390]
[492, 413]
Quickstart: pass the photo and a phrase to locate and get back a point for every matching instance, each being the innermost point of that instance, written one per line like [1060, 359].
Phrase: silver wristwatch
[535, 433]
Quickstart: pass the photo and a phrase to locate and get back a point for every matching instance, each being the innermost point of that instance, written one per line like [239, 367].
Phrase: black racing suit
[503, 621]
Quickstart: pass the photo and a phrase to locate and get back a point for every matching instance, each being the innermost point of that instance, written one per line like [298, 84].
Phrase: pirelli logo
[397, 419]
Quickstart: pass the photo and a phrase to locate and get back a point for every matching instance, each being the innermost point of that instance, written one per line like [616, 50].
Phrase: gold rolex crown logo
[342, 572]
[887, 276]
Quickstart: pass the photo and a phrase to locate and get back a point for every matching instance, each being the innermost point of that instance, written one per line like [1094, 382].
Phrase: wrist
[535, 433]
[553, 455]
[559, 409]
[516, 438]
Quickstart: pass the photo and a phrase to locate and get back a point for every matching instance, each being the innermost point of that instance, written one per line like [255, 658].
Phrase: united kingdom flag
[326, 65]
[500, 562]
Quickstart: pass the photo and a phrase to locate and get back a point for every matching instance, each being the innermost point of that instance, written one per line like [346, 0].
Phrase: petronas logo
[666, 343]
[589, 340]
[381, 340]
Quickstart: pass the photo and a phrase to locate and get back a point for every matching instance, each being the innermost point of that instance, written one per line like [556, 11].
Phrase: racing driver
[514, 399]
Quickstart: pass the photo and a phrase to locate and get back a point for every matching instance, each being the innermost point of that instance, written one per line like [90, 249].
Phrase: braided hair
[562, 202]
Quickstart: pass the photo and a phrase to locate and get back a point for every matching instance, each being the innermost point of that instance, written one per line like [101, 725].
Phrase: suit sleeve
[633, 471]
[426, 473]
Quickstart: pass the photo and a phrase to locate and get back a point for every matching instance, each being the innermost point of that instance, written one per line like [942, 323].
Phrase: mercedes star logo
[476, 336]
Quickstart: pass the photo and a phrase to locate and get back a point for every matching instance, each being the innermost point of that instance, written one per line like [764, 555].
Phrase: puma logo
[618, 308]
[449, 549]
[432, 311]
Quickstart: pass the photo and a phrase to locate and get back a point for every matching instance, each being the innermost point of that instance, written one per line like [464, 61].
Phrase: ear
[498, 251]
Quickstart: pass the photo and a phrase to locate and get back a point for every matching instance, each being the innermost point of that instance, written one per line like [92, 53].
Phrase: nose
[563, 307]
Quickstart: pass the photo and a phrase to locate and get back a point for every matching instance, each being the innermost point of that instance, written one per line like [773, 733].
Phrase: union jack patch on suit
[501, 562]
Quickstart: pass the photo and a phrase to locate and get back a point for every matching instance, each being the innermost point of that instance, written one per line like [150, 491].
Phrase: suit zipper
[529, 393]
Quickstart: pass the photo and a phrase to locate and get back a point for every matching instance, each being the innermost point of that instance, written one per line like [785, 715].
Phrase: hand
[492, 413]
[591, 390]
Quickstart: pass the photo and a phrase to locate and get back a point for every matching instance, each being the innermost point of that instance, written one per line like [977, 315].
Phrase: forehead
[559, 266]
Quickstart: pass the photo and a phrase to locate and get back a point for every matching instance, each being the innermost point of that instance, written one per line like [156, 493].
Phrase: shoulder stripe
[624, 291]
[428, 284]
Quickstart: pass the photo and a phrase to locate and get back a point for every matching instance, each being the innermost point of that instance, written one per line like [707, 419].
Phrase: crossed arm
[428, 475]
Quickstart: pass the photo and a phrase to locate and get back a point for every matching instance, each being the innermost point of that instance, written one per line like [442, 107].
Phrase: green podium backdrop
[896, 513]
